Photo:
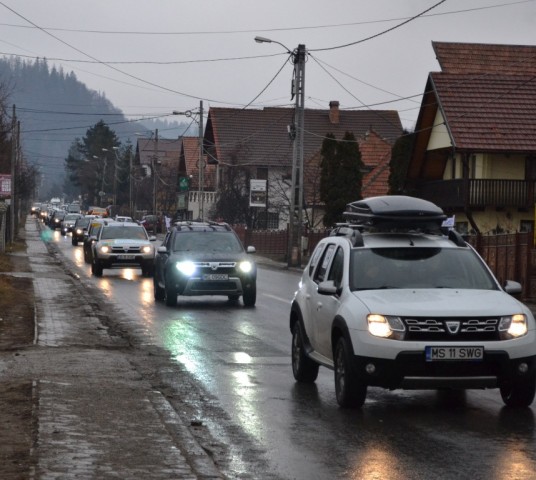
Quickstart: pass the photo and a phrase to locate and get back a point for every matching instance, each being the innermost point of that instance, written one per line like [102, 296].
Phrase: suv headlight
[386, 326]
[246, 266]
[147, 249]
[513, 326]
[105, 249]
[186, 268]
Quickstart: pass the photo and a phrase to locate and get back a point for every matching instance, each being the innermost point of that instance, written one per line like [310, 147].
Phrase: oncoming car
[204, 258]
[391, 299]
[122, 245]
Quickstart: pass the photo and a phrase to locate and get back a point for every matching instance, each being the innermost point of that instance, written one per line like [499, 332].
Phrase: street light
[298, 90]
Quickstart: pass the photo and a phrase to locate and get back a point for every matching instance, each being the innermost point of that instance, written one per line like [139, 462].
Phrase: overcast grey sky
[200, 49]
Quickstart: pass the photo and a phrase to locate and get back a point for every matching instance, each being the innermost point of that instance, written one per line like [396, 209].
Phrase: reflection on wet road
[241, 357]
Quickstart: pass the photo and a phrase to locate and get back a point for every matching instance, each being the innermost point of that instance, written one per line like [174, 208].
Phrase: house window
[270, 222]
[526, 226]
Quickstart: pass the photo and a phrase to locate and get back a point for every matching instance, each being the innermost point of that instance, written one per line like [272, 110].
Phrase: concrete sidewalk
[95, 415]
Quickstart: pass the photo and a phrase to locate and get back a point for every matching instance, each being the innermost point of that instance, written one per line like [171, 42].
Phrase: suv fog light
[370, 368]
[523, 368]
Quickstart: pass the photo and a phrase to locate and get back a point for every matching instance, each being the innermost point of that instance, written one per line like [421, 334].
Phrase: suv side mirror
[161, 249]
[251, 249]
[328, 288]
[513, 288]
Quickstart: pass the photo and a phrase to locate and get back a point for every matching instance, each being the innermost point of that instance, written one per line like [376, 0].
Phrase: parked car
[122, 245]
[392, 300]
[198, 258]
[68, 222]
[152, 223]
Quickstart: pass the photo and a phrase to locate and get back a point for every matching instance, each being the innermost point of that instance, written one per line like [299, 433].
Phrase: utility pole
[294, 253]
[14, 148]
[154, 169]
[201, 165]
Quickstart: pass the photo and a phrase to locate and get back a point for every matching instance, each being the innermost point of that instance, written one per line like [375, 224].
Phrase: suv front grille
[126, 249]
[452, 329]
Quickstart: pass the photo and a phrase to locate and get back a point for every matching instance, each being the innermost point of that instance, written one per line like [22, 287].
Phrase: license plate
[126, 257]
[438, 354]
[216, 276]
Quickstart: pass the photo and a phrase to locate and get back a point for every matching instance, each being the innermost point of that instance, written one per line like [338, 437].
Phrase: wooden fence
[509, 256]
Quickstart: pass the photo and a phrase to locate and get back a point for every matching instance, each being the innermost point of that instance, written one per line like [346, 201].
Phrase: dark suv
[198, 258]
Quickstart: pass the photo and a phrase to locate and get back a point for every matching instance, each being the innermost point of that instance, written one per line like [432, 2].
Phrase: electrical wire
[256, 30]
[380, 33]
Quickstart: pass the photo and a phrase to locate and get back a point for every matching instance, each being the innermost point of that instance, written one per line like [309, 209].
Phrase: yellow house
[475, 138]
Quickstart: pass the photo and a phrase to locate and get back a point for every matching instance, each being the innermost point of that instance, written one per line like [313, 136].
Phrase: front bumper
[197, 285]
[124, 261]
[410, 370]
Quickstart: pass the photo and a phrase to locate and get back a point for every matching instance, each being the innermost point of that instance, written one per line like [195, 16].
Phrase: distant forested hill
[54, 108]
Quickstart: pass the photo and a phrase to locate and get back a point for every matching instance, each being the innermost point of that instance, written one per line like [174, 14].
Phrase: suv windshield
[418, 268]
[207, 242]
[129, 233]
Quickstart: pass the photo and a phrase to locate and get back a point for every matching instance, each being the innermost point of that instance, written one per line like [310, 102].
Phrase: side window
[315, 257]
[337, 268]
[320, 274]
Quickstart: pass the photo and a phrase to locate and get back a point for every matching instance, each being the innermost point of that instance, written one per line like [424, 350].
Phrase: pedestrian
[168, 222]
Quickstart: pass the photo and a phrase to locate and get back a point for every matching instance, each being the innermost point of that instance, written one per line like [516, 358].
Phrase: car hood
[123, 241]
[439, 302]
[210, 257]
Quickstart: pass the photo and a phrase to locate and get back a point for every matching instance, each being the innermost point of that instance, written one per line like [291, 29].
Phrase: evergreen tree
[340, 175]
[398, 166]
[92, 168]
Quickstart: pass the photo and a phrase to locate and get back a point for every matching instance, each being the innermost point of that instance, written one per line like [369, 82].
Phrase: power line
[380, 33]
[256, 30]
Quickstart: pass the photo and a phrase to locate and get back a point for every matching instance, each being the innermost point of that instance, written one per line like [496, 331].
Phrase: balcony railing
[451, 194]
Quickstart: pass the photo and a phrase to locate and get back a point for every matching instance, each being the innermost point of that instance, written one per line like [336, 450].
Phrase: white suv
[122, 245]
[392, 299]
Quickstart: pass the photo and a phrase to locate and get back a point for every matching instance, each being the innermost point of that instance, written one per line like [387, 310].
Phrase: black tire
[520, 393]
[159, 292]
[86, 256]
[350, 390]
[249, 296]
[304, 369]
[74, 242]
[170, 295]
[147, 271]
[96, 268]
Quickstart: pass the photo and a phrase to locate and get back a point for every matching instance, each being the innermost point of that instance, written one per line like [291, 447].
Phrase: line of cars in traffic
[195, 258]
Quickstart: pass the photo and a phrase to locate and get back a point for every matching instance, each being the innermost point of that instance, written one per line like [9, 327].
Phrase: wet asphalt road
[241, 357]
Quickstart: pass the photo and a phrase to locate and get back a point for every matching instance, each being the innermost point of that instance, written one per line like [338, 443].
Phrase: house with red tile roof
[261, 140]
[158, 159]
[475, 138]
[189, 201]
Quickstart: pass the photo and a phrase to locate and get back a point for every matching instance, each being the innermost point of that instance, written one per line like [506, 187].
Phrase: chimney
[334, 112]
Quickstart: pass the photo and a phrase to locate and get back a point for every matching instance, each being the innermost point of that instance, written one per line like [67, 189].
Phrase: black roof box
[395, 211]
